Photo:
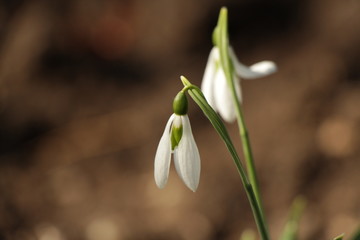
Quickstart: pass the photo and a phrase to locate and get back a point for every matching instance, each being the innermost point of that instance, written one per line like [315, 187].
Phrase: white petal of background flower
[163, 156]
[223, 98]
[187, 157]
[257, 70]
[264, 67]
[207, 84]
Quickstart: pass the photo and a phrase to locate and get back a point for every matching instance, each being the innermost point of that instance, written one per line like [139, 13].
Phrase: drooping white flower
[178, 140]
[215, 87]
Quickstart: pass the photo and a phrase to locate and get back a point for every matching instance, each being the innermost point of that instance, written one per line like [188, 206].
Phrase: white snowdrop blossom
[215, 87]
[185, 151]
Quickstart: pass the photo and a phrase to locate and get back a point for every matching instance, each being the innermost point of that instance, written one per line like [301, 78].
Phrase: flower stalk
[223, 45]
[198, 97]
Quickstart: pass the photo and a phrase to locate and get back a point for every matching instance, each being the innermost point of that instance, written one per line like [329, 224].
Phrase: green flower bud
[215, 36]
[180, 104]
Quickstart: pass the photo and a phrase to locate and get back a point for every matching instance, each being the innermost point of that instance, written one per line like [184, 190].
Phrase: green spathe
[196, 94]
[180, 104]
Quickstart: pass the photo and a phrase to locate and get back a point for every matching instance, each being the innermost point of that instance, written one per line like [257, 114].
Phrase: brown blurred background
[86, 88]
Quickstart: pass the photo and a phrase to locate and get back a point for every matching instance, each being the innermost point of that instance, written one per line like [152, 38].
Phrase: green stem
[250, 165]
[219, 126]
[223, 44]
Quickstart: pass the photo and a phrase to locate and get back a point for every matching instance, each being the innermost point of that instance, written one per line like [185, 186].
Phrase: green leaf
[356, 235]
[248, 235]
[291, 228]
[340, 237]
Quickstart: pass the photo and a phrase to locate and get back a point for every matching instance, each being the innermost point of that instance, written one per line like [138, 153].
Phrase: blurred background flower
[78, 78]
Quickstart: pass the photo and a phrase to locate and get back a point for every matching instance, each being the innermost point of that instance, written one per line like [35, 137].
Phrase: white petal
[264, 67]
[187, 157]
[177, 121]
[257, 70]
[223, 97]
[163, 156]
[207, 84]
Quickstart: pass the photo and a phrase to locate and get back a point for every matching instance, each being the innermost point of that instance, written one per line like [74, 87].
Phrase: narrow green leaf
[340, 237]
[356, 235]
[291, 228]
[248, 235]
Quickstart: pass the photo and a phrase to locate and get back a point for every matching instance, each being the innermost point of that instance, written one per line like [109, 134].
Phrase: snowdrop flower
[215, 87]
[178, 140]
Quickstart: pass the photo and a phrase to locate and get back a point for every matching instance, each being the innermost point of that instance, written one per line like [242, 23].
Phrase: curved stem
[219, 126]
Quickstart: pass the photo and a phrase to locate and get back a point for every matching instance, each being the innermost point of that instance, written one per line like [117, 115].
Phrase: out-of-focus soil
[86, 88]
